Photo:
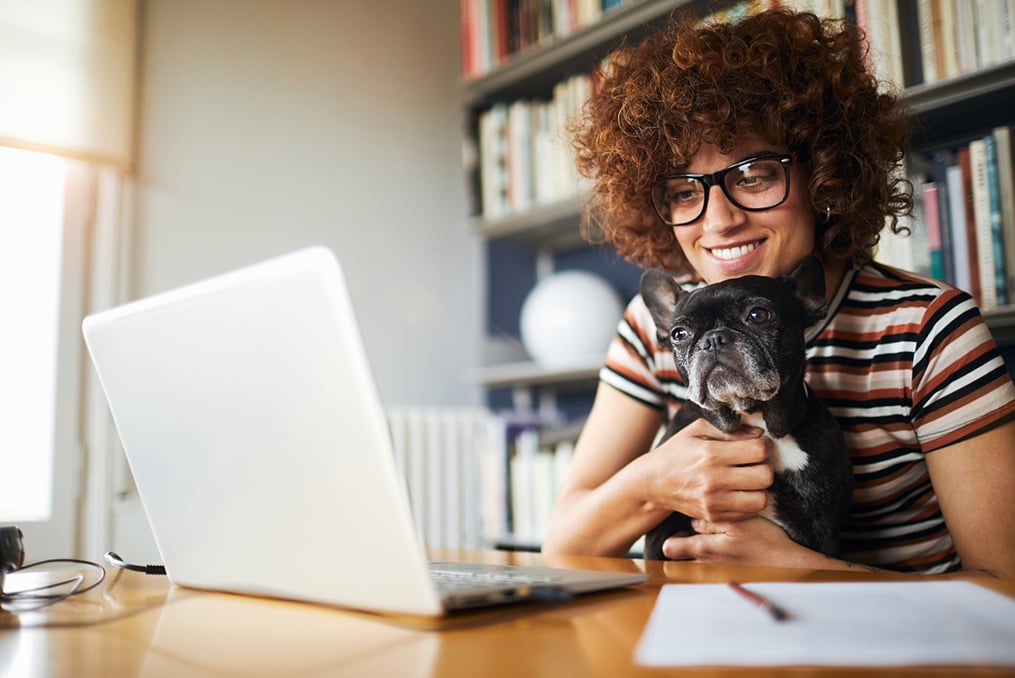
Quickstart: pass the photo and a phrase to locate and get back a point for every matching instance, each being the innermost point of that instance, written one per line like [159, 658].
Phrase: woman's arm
[975, 485]
[974, 481]
[614, 491]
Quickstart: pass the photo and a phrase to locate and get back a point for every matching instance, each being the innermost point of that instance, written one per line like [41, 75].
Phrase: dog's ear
[660, 293]
[809, 281]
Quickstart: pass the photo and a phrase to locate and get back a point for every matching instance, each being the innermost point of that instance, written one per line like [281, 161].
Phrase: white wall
[266, 125]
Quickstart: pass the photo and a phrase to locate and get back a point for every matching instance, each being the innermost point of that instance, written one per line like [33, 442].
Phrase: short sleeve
[961, 386]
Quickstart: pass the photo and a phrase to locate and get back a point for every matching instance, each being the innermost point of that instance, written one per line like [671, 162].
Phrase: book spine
[966, 169]
[495, 521]
[957, 221]
[941, 161]
[1006, 187]
[894, 57]
[1006, 29]
[965, 33]
[932, 223]
[984, 229]
[997, 232]
[949, 54]
[912, 53]
[986, 31]
[925, 19]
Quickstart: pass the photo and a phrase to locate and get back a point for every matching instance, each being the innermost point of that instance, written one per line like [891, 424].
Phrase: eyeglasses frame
[718, 179]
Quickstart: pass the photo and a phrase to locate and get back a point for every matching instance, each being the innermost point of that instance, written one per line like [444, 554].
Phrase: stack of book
[966, 214]
[522, 469]
[524, 151]
[946, 38]
[495, 30]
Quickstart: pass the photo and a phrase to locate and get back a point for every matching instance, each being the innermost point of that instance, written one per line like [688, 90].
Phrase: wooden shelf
[555, 225]
[542, 66]
[942, 110]
[959, 90]
[513, 375]
[1001, 322]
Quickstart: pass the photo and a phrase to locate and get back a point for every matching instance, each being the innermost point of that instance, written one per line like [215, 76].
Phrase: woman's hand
[755, 541]
[704, 473]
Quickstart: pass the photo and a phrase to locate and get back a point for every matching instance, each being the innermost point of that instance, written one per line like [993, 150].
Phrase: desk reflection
[220, 634]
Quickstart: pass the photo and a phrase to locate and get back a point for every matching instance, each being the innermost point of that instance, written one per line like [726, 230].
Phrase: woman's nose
[721, 214]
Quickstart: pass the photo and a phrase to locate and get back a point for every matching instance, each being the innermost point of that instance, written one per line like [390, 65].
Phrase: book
[880, 22]
[493, 178]
[996, 229]
[1006, 187]
[932, 223]
[465, 12]
[965, 35]
[1006, 29]
[986, 17]
[524, 528]
[912, 55]
[966, 170]
[946, 40]
[925, 28]
[519, 155]
[984, 228]
[940, 163]
[962, 275]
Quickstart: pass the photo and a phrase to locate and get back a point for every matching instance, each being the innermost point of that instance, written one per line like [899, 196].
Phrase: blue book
[997, 229]
[942, 160]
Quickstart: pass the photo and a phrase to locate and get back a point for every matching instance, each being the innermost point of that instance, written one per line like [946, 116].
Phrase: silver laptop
[261, 453]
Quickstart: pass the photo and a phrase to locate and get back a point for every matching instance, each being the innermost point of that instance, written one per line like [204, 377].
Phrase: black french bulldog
[739, 347]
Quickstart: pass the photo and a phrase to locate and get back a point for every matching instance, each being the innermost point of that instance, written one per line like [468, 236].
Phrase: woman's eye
[749, 180]
[678, 334]
[758, 315]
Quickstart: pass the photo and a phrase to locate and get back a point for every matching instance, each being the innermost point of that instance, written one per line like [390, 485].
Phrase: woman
[906, 364]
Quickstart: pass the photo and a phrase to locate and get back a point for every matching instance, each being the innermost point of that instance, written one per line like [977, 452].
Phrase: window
[31, 229]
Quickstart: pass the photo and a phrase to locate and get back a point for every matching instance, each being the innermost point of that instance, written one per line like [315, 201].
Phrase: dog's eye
[759, 315]
[678, 334]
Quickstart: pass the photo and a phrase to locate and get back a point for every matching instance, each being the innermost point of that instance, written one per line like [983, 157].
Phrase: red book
[967, 195]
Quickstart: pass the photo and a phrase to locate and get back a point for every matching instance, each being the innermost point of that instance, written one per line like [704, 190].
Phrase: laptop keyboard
[457, 576]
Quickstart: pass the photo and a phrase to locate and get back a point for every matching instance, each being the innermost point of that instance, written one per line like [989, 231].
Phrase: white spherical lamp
[569, 318]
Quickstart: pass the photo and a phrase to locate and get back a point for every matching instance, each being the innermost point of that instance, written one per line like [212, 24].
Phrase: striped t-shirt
[907, 366]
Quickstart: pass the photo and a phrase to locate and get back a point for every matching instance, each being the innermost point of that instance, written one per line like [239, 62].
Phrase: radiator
[438, 451]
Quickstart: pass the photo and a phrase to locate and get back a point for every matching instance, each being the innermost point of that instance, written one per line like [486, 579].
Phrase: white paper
[831, 624]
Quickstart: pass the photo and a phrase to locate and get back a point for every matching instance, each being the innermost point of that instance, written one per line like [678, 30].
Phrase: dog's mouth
[739, 385]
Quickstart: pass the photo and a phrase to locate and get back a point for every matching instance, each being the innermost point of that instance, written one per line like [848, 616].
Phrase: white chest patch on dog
[788, 455]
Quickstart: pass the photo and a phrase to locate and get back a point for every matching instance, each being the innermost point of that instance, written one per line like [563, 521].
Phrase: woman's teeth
[733, 252]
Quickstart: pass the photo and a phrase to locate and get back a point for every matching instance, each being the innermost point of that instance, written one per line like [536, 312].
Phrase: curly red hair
[792, 79]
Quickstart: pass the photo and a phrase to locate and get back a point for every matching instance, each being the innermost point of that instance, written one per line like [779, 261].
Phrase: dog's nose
[713, 340]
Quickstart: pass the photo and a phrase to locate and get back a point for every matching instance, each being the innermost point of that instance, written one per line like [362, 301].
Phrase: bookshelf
[548, 228]
[951, 103]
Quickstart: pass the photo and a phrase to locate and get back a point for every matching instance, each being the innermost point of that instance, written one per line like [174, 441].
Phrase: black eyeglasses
[755, 184]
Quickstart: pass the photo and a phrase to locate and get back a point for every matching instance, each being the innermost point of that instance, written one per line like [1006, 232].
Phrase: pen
[776, 612]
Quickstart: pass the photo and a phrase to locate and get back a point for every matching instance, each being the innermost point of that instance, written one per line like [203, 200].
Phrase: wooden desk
[137, 625]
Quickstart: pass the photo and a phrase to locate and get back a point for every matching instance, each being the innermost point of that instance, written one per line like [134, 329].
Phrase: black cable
[34, 599]
[116, 561]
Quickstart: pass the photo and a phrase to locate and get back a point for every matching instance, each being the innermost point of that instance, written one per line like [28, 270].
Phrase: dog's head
[736, 343]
